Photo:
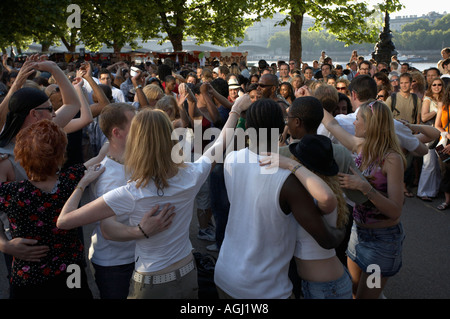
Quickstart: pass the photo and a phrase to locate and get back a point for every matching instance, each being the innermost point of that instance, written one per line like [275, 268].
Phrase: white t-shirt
[407, 140]
[259, 240]
[167, 247]
[117, 94]
[105, 252]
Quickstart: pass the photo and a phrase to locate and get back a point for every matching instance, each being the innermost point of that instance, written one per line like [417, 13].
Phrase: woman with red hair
[33, 206]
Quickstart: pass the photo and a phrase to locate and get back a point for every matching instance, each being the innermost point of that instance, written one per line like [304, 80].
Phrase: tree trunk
[295, 35]
[177, 41]
[69, 46]
[45, 46]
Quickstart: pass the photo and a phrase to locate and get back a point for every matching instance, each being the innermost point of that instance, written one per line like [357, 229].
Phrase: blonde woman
[153, 93]
[430, 177]
[381, 161]
[164, 266]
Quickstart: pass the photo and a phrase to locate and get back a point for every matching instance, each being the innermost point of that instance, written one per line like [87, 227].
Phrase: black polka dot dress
[32, 214]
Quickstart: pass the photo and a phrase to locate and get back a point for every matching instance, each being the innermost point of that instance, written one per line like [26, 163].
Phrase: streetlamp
[384, 48]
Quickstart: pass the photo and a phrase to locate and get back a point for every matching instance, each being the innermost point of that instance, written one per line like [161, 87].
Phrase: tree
[116, 23]
[420, 24]
[221, 22]
[348, 20]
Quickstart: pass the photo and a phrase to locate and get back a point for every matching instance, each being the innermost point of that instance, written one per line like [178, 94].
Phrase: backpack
[394, 101]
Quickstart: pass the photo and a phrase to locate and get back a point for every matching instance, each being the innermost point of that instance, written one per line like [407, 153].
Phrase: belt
[161, 279]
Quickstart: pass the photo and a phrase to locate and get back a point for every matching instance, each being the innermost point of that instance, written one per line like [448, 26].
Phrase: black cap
[20, 105]
[315, 152]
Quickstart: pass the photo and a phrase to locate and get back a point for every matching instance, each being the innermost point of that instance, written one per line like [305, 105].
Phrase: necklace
[114, 159]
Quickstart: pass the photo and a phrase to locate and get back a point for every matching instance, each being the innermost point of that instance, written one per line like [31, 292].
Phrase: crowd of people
[309, 194]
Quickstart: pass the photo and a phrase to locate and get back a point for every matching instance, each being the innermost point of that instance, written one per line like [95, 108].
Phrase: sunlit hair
[429, 91]
[152, 91]
[148, 150]
[169, 105]
[40, 149]
[328, 96]
[380, 138]
[333, 182]
[113, 115]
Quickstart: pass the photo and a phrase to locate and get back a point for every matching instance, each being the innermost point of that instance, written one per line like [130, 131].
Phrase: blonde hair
[148, 152]
[380, 136]
[152, 91]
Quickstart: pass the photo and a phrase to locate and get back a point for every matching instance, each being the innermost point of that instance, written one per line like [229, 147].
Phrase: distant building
[397, 22]
[260, 32]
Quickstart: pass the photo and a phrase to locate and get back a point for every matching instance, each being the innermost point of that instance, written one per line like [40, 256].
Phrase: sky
[419, 7]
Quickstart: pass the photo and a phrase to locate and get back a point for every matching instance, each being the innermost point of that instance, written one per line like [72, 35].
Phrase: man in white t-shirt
[363, 88]
[113, 261]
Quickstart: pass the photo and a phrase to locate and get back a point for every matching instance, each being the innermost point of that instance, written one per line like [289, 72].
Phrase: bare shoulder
[393, 160]
[6, 171]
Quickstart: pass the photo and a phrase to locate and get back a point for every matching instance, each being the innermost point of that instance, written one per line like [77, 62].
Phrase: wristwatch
[138, 87]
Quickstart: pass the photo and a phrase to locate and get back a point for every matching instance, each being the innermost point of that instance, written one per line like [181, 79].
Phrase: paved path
[426, 259]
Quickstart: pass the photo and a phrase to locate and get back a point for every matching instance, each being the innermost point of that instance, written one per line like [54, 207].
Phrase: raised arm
[241, 104]
[103, 101]
[25, 71]
[85, 111]
[71, 102]
[184, 95]
[208, 107]
[351, 142]
[139, 82]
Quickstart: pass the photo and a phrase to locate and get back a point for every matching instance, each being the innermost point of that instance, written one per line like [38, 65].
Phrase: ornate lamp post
[385, 48]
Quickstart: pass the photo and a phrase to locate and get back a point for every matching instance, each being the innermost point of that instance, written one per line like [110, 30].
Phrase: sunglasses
[378, 96]
[436, 84]
[50, 108]
[341, 88]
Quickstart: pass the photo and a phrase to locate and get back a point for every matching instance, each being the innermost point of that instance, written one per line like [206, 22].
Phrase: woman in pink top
[377, 233]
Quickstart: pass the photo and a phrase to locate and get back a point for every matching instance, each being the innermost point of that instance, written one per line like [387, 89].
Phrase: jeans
[337, 289]
[220, 205]
[113, 282]
[381, 247]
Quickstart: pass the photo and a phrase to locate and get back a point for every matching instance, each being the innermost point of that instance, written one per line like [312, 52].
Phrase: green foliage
[420, 24]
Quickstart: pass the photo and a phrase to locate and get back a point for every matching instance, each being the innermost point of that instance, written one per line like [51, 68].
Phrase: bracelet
[140, 228]
[238, 114]
[296, 167]
[82, 189]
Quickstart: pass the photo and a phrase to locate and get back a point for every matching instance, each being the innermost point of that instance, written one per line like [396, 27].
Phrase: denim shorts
[337, 289]
[380, 247]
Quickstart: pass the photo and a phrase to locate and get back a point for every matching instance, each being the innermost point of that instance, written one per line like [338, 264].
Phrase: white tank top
[259, 239]
[307, 248]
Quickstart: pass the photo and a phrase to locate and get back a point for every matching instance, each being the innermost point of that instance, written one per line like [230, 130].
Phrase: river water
[418, 65]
